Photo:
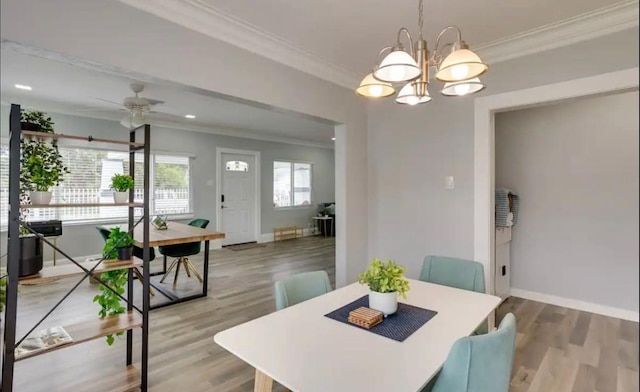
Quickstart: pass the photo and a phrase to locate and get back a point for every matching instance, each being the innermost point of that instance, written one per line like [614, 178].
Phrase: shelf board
[93, 329]
[51, 274]
[69, 205]
[72, 140]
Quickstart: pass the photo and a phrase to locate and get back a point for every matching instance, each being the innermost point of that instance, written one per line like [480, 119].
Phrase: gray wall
[412, 149]
[575, 167]
[79, 241]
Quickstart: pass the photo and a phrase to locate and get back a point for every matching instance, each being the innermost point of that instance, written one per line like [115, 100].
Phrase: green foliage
[169, 176]
[122, 182]
[385, 277]
[40, 118]
[3, 291]
[117, 239]
[110, 303]
[41, 166]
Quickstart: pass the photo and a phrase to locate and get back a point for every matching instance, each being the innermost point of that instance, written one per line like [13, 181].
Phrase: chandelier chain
[420, 18]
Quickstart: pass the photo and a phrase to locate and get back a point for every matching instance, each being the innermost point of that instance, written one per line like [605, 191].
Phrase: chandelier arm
[459, 38]
[403, 29]
[376, 63]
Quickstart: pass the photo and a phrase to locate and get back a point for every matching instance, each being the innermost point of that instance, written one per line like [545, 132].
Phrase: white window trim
[300, 207]
[153, 153]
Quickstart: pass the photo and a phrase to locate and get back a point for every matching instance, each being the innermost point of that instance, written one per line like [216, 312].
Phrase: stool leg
[173, 264]
[175, 278]
[186, 265]
[195, 272]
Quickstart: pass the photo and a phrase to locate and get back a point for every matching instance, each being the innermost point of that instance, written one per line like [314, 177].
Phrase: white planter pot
[120, 197]
[387, 303]
[40, 197]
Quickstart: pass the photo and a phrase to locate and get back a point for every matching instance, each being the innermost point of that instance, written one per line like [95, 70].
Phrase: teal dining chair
[454, 272]
[181, 253]
[479, 363]
[301, 287]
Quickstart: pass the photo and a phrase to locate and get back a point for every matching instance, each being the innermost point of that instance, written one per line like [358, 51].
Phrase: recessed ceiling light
[23, 87]
[333, 138]
[189, 116]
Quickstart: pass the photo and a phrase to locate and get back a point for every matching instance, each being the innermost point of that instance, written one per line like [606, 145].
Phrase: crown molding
[580, 28]
[213, 22]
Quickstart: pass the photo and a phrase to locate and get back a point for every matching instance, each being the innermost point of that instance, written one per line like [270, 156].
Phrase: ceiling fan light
[408, 96]
[463, 87]
[133, 120]
[371, 87]
[461, 64]
[397, 66]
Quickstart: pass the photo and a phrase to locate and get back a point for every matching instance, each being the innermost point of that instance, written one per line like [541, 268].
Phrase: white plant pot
[40, 197]
[387, 303]
[120, 197]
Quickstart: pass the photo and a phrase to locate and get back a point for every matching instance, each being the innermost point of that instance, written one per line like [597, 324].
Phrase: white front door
[238, 198]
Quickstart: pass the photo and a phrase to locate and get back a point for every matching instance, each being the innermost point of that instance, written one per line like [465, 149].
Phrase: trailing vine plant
[110, 303]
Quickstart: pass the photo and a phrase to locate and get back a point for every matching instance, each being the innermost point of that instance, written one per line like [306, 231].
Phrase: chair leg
[175, 278]
[173, 264]
[138, 274]
[186, 265]
[195, 271]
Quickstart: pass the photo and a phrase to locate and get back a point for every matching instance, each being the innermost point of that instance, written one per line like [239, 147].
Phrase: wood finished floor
[558, 349]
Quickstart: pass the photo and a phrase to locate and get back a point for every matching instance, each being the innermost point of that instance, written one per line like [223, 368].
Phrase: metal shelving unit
[81, 332]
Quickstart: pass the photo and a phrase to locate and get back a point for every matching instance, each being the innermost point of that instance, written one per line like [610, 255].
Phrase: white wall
[575, 167]
[111, 33]
[412, 149]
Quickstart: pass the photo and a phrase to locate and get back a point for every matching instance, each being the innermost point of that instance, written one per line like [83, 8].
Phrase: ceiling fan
[135, 106]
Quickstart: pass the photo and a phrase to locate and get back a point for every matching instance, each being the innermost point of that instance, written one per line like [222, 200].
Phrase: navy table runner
[398, 326]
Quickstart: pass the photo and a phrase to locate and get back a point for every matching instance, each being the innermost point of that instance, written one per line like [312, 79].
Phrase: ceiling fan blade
[108, 101]
[153, 102]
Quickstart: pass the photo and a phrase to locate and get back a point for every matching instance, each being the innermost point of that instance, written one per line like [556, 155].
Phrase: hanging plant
[110, 303]
[36, 121]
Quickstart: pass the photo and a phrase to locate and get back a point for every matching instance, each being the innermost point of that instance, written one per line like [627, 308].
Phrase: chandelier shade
[463, 87]
[398, 66]
[408, 96]
[461, 64]
[371, 87]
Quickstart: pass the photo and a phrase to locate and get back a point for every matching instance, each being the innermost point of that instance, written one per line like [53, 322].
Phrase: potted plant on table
[386, 281]
[121, 184]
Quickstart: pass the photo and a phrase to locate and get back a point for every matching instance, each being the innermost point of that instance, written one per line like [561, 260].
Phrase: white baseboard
[64, 260]
[268, 237]
[577, 304]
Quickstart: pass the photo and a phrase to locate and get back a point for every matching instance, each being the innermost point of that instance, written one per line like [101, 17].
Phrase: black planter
[27, 126]
[125, 253]
[30, 256]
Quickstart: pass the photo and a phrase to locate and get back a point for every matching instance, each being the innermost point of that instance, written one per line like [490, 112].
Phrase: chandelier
[453, 63]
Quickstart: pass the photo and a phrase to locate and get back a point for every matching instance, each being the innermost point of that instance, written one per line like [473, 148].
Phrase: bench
[284, 233]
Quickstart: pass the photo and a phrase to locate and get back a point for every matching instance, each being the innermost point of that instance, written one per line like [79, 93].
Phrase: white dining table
[305, 351]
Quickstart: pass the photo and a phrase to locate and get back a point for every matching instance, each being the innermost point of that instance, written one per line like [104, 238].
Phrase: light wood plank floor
[558, 349]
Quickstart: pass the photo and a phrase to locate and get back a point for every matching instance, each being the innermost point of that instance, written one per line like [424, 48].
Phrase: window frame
[292, 174]
[4, 141]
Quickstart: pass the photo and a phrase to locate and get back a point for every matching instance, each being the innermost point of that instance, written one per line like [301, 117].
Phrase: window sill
[97, 222]
[304, 207]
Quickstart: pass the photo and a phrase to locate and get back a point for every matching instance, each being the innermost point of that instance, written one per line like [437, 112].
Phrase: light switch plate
[449, 182]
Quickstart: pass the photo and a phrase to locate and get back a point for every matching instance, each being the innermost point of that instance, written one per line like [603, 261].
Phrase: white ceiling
[72, 89]
[350, 33]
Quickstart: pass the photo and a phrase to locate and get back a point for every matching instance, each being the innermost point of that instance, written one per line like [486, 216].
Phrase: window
[89, 179]
[291, 184]
[237, 166]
